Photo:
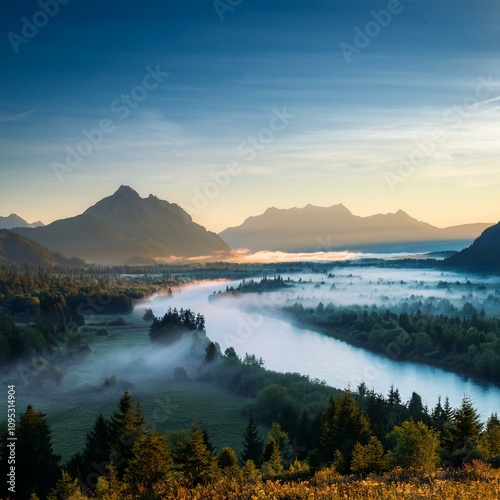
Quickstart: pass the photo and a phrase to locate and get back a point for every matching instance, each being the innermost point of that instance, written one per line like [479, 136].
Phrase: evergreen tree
[462, 437]
[303, 436]
[109, 487]
[207, 441]
[253, 444]
[126, 431]
[197, 463]
[227, 459]
[369, 457]
[441, 416]
[149, 466]
[36, 464]
[96, 453]
[211, 354]
[288, 419]
[416, 408]
[344, 424]
[66, 488]
[280, 437]
[490, 439]
[378, 414]
[273, 463]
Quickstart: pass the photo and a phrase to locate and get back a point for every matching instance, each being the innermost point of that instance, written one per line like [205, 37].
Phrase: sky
[229, 107]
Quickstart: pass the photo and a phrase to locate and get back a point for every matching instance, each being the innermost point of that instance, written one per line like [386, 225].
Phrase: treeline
[174, 325]
[320, 427]
[252, 286]
[124, 459]
[37, 344]
[466, 345]
[28, 295]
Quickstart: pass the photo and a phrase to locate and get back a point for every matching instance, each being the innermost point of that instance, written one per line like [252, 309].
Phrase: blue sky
[354, 126]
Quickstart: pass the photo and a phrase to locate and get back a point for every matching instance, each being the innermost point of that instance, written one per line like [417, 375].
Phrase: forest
[335, 454]
[468, 344]
[302, 438]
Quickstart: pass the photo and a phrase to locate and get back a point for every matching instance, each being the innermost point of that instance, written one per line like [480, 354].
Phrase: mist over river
[248, 324]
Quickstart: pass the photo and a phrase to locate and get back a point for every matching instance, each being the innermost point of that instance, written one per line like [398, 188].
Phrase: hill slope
[16, 249]
[331, 228]
[125, 226]
[483, 254]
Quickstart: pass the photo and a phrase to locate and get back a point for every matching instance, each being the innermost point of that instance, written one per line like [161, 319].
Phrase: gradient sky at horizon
[355, 123]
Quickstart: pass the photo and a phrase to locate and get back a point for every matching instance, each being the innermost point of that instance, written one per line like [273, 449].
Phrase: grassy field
[168, 407]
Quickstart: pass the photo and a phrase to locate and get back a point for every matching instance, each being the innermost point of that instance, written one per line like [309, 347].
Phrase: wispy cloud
[15, 118]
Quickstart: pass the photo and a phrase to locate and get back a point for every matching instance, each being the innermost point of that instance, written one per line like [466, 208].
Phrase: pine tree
[344, 424]
[96, 453]
[253, 444]
[36, 464]
[197, 463]
[273, 463]
[462, 437]
[149, 466]
[227, 462]
[304, 442]
[227, 458]
[66, 488]
[126, 431]
[109, 487]
[211, 354]
[416, 408]
[207, 441]
[490, 439]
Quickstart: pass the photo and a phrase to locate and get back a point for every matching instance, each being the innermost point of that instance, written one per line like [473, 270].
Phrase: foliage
[175, 324]
[36, 464]
[416, 447]
[466, 343]
[253, 445]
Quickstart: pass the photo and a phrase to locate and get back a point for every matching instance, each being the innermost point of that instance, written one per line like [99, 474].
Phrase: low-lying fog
[248, 324]
[245, 323]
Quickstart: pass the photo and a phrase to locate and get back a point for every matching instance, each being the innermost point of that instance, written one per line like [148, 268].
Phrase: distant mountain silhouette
[13, 220]
[16, 249]
[483, 254]
[333, 228]
[125, 226]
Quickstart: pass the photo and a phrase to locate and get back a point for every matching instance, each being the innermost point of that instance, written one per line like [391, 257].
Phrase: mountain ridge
[13, 221]
[18, 250]
[483, 254]
[124, 226]
[313, 228]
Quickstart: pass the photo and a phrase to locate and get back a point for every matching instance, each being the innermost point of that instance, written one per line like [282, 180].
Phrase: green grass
[169, 406]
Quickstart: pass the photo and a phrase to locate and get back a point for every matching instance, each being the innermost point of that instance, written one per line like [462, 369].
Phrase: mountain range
[13, 220]
[315, 228]
[125, 226]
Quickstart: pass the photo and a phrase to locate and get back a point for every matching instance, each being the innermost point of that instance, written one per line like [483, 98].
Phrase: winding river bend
[287, 348]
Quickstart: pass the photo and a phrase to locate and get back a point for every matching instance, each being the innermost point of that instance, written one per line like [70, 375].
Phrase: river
[287, 348]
